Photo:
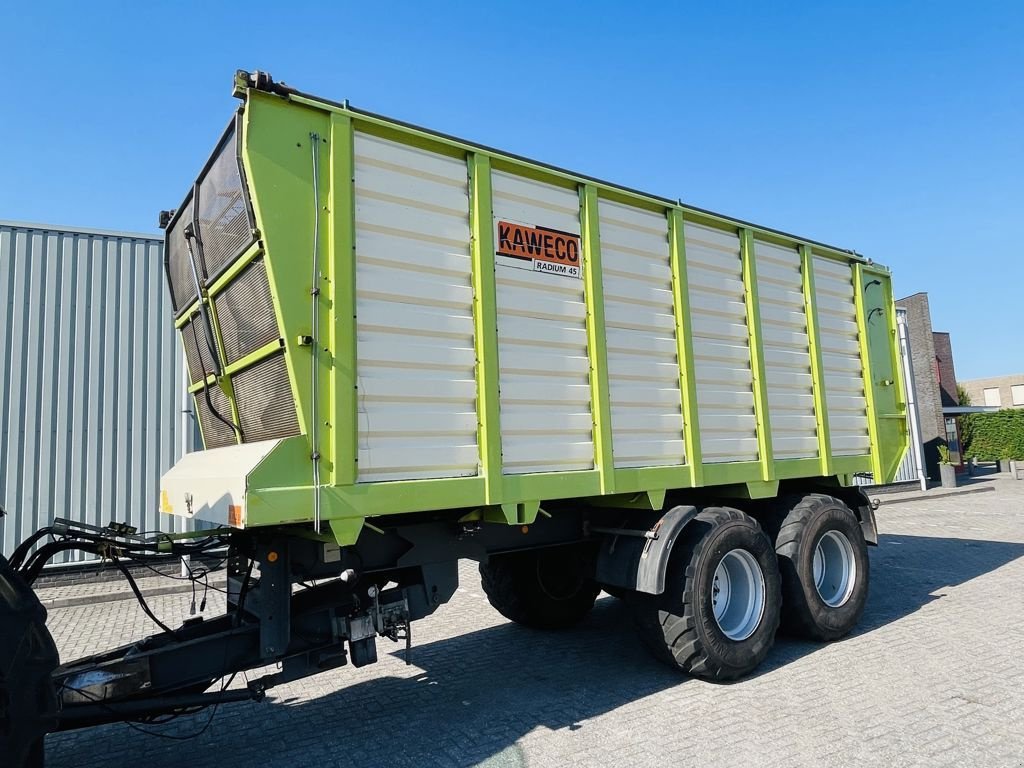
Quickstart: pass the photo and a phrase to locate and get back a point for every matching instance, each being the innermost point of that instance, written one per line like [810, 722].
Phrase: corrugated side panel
[414, 309]
[787, 353]
[546, 422]
[721, 346]
[840, 346]
[643, 366]
[90, 380]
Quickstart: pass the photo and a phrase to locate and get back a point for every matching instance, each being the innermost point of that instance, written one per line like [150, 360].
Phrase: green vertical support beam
[340, 268]
[684, 345]
[600, 403]
[757, 366]
[817, 366]
[485, 317]
[869, 379]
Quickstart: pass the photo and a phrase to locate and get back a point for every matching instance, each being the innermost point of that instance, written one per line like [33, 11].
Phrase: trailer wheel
[547, 588]
[717, 617]
[823, 559]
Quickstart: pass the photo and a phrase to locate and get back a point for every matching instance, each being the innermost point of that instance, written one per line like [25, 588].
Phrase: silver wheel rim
[737, 594]
[835, 569]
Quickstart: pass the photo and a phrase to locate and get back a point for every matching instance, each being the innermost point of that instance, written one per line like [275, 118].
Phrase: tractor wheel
[549, 588]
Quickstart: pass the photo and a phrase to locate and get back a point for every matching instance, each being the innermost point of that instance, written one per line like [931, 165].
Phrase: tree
[963, 397]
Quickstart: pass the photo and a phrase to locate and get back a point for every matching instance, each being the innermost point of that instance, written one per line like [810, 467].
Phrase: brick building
[997, 391]
[935, 384]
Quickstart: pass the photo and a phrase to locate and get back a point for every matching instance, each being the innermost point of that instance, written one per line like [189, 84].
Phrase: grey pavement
[933, 676]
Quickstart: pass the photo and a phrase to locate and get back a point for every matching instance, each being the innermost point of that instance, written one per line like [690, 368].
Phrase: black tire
[549, 588]
[619, 593]
[37, 755]
[802, 525]
[679, 625]
[28, 657]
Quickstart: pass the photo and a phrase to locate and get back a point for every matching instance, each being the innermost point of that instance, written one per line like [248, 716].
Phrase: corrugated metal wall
[91, 375]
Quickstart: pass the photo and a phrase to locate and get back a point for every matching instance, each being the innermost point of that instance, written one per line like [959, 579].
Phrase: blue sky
[896, 129]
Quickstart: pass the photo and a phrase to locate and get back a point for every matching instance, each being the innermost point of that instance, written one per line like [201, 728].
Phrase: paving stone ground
[933, 676]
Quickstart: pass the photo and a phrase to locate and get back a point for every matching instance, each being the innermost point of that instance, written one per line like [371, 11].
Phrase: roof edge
[34, 226]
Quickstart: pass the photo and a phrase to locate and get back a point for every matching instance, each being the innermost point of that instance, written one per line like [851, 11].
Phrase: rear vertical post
[341, 269]
[757, 366]
[817, 366]
[866, 369]
[684, 345]
[597, 347]
[485, 315]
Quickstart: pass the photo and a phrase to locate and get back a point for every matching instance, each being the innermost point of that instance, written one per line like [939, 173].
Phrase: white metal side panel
[643, 367]
[721, 345]
[414, 314]
[840, 347]
[787, 354]
[546, 422]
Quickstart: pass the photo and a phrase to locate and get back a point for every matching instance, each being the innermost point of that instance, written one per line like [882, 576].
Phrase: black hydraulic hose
[138, 596]
[206, 388]
[31, 570]
[19, 554]
[191, 233]
[209, 404]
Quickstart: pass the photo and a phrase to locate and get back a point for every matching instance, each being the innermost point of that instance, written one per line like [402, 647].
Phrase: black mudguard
[638, 562]
[28, 658]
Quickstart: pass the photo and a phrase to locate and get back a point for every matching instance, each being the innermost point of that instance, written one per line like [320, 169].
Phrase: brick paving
[932, 677]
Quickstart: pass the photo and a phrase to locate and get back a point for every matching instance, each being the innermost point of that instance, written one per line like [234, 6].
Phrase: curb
[929, 497]
[113, 597]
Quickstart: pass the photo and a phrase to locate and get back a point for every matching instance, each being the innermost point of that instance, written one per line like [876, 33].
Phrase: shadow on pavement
[478, 693]
[908, 571]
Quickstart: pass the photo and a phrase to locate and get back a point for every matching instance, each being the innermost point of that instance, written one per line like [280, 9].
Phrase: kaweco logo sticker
[540, 249]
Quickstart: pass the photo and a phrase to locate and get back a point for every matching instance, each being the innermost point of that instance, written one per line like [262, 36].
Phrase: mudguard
[28, 658]
[638, 562]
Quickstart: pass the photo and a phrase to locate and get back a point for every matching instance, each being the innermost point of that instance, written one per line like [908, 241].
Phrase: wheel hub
[738, 594]
[834, 569]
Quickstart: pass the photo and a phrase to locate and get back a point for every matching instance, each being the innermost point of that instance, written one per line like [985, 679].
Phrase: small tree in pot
[946, 470]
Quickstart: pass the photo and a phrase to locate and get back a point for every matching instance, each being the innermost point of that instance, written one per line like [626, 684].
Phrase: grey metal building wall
[90, 379]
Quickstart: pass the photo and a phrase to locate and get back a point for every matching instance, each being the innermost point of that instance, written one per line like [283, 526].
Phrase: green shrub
[991, 436]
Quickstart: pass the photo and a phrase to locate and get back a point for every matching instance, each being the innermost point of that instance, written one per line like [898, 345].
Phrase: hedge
[991, 436]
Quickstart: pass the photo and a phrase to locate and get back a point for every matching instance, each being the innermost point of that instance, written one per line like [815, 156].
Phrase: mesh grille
[179, 269]
[195, 348]
[216, 433]
[245, 311]
[264, 397]
[223, 217]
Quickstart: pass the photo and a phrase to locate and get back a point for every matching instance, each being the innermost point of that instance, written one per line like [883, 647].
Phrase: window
[953, 440]
[1017, 394]
[992, 396]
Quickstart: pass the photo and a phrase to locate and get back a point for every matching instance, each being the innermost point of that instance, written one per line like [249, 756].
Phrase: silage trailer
[406, 349]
